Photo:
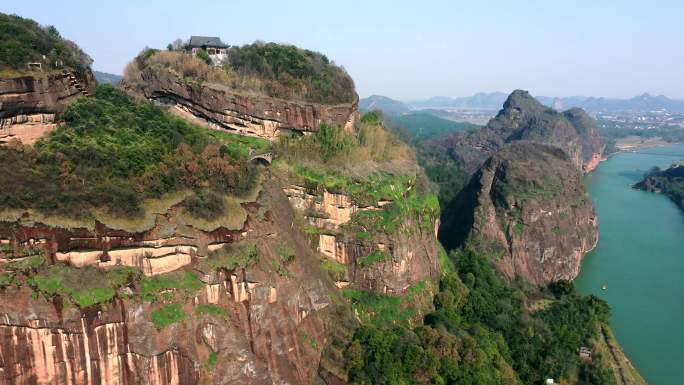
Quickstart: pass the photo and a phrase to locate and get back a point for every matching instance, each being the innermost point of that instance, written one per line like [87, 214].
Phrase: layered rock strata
[30, 105]
[220, 107]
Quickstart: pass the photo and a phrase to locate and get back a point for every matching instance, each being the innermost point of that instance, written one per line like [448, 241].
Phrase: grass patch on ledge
[211, 309]
[167, 315]
[382, 310]
[230, 257]
[334, 269]
[239, 146]
[233, 217]
[159, 287]
[86, 286]
[375, 257]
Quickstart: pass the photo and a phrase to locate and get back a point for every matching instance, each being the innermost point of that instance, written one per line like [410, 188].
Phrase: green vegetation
[205, 204]
[519, 228]
[204, 56]
[308, 340]
[239, 146]
[418, 127]
[112, 154]
[212, 360]
[381, 310]
[211, 309]
[168, 315]
[443, 170]
[185, 283]
[372, 258]
[288, 72]
[479, 333]
[26, 265]
[370, 167]
[669, 182]
[335, 270]
[85, 286]
[269, 69]
[232, 256]
[24, 41]
[371, 149]
[286, 253]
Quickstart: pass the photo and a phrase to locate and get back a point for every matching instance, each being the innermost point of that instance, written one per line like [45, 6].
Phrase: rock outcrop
[222, 108]
[526, 207]
[267, 324]
[525, 118]
[669, 182]
[30, 105]
[409, 255]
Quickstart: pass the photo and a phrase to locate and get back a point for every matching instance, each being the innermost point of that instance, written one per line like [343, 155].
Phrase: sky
[411, 49]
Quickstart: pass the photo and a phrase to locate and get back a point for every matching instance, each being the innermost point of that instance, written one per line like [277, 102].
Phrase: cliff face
[30, 105]
[220, 107]
[403, 258]
[669, 182]
[524, 118]
[266, 321]
[527, 207]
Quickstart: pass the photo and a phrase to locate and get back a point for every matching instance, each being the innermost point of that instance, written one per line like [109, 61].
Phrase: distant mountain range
[644, 102]
[495, 100]
[387, 105]
[107, 78]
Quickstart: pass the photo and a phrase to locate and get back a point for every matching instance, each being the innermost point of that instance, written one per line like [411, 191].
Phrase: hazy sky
[412, 49]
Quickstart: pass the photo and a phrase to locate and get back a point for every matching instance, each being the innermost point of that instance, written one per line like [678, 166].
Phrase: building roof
[208, 41]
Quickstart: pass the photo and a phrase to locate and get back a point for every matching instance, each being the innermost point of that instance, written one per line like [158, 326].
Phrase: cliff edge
[40, 75]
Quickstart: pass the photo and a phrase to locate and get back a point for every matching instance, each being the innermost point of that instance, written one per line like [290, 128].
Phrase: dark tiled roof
[209, 41]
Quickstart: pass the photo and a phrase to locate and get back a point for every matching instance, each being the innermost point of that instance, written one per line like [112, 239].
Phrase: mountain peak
[522, 100]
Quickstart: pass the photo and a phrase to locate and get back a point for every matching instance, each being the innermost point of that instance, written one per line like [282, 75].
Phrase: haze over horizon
[409, 51]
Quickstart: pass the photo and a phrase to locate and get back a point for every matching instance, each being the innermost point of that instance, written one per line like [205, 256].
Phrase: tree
[202, 54]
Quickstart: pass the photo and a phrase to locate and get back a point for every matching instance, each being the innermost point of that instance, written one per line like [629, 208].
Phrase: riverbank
[635, 143]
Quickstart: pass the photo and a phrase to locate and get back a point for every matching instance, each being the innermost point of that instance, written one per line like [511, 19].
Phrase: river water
[640, 257]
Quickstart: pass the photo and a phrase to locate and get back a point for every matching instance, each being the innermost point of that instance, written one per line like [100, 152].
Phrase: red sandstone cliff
[30, 105]
[220, 107]
[272, 332]
[527, 208]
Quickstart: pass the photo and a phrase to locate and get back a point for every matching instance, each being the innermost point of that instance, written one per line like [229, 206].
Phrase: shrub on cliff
[23, 41]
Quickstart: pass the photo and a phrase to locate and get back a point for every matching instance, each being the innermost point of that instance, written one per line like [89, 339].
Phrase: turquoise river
[640, 258]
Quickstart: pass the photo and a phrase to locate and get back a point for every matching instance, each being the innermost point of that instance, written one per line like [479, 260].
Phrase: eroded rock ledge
[30, 105]
[270, 326]
[222, 108]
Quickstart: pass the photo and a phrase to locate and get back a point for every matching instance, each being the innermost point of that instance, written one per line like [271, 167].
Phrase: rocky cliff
[30, 105]
[383, 262]
[260, 314]
[222, 107]
[40, 74]
[526, 207]
[524, 118]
